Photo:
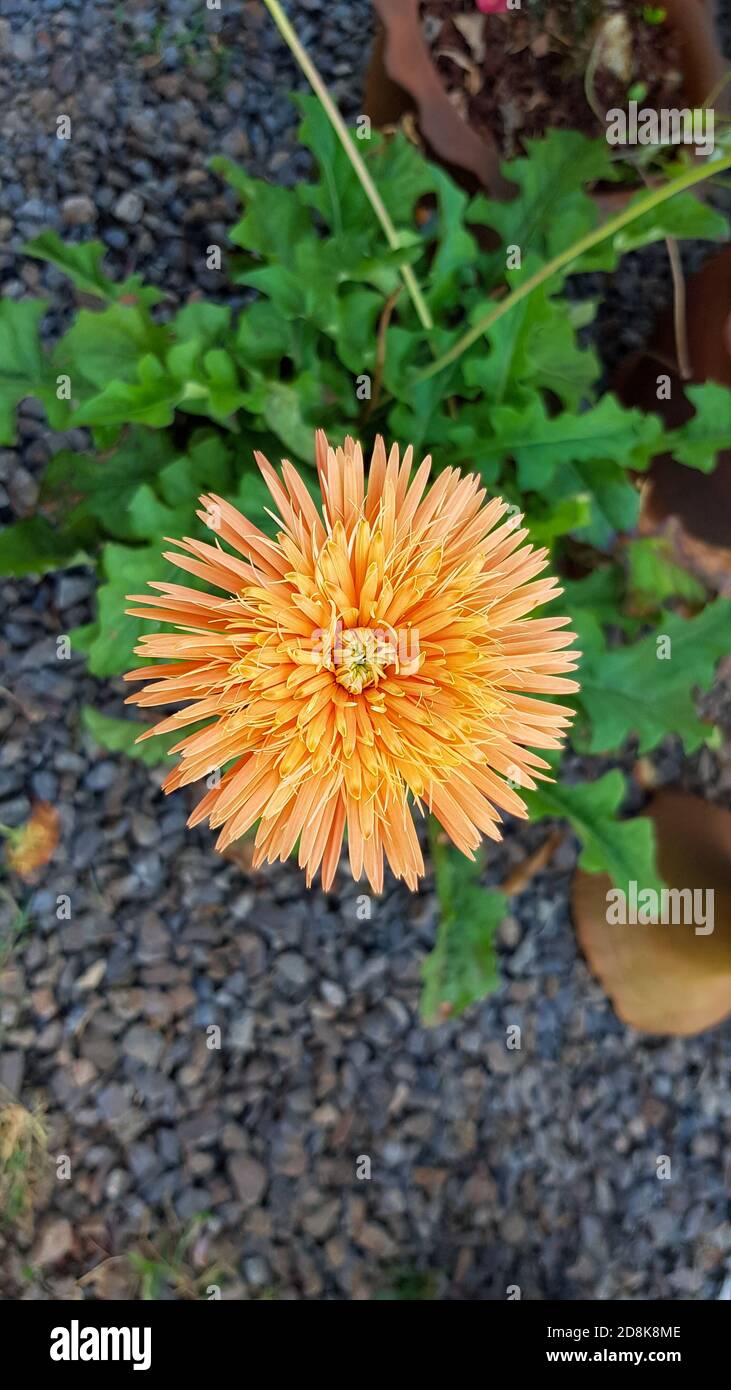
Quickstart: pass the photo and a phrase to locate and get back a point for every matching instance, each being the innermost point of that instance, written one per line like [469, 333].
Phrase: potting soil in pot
[516, 74]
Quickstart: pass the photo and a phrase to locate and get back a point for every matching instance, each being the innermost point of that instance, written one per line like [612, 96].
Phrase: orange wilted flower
[377, 653]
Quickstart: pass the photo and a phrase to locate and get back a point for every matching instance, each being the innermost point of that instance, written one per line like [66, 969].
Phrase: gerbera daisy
[376, 655]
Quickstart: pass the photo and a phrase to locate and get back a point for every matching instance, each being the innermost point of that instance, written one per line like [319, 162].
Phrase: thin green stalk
[341, 130]
[608, 229]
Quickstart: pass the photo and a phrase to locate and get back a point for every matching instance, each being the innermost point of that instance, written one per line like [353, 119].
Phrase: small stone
[71, 589]
[54, 1243]
[21, 46]
[92, 977]
[129, 208]
[143, 1045]
[499, 1059]
[142, 1159]
[153, 940]
[248, 1177]
[333, 994]
[44, 1003]
[144, 830]
[102, 776]
[78, 211]
[256, 1271]
[12, 1070]
[113, 1101]
[514, 1228]
[242, 1032]
[510, 932]
[321, 1223]
[236, 144]
[376, 1241]
[293, 973]
[63, 74]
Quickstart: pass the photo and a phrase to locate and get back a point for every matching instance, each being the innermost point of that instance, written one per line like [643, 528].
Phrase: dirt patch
[516, 75]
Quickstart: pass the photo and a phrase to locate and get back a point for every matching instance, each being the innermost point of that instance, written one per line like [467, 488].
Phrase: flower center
[361, 658]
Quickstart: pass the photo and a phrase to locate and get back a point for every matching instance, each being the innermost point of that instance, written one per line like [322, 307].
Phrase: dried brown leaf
[667, 979]
[33, 844]
[472, 29]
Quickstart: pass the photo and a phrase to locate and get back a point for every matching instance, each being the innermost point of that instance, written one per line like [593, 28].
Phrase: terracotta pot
[402, 62]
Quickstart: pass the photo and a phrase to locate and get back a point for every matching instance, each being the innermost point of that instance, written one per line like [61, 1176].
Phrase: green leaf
[107, 346]
[150, 519]
[149, 401]
[262, 335]
[654, 576]
[455, 247]
[33, 546]
[623, 849]
[601, 595]
[82, 638]
[359, 311]
[125, 570]
[399, 171]
[120, 735]
[293, 410]
[539, 443]
[646, 689]
[275, 220]
[533, 346]
[84, 485]
[615, 501]
[208, 323]
[462, 967]
[83, 265]
[552, 176]
[700, 440]
[208, 464]
[682, 216]
[570, 515]
[24, 368]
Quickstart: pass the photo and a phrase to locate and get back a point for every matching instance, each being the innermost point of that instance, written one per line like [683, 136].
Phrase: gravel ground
[488, 1167]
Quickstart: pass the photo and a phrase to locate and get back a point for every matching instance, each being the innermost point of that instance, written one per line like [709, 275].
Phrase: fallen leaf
[113, 1280]
[474, 76]
[55, 1242]
[519, 877]
[472, 29]
[541, 45]
[666, 978]
[31, 846]
[614, 46]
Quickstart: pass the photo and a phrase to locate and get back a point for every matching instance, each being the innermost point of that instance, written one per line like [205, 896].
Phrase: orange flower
[374, 654]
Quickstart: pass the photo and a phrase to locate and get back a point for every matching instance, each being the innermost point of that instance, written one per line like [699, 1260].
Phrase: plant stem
[608, 229]
[341, 130]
